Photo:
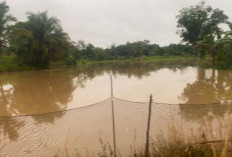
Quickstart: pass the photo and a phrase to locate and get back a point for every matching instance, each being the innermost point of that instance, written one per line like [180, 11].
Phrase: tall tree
[208, 45]
[224, 46]
[5, 20]
[198, 21]
[39, 40]
[226, 37]
[220, 49]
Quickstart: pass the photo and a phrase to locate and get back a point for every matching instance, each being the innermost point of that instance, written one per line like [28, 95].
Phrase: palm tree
[208, 45]
[5, 20]
[226, 39]
[220, 46]
[39, 40]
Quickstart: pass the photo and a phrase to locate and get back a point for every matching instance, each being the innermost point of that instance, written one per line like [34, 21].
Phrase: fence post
[113, 118]
[147, 153]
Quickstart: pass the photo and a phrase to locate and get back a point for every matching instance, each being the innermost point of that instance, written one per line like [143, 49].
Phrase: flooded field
[44, 113]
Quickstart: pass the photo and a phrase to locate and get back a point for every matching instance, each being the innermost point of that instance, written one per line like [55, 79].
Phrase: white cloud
[103, 22]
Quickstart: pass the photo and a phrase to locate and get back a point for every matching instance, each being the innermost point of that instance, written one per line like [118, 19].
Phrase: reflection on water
[9, 128]
[208, 111]
[212, 87]
[37, 92]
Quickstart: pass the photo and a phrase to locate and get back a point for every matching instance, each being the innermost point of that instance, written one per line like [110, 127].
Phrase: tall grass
[201, 142]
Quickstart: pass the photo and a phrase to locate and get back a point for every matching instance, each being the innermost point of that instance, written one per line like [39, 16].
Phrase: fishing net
[88, 131]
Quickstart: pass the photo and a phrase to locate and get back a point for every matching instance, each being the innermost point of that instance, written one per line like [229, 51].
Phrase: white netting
[80, 131]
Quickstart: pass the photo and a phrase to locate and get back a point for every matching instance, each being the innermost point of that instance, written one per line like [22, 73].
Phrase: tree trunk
[213, 58]
[198, 58]
[0, 51]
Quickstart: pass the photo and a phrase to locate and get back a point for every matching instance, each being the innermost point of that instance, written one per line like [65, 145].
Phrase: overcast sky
[104, 22]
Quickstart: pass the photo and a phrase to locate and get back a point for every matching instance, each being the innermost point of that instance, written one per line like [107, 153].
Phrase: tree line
[40, 39]
[129, 50]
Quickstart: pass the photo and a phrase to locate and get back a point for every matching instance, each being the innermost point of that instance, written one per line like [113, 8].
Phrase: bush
[224, 58]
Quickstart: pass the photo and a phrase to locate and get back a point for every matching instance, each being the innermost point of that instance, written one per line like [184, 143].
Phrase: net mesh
[88, 131]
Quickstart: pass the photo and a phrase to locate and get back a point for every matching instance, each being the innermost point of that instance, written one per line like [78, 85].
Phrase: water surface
[34, 92]
[63, 90]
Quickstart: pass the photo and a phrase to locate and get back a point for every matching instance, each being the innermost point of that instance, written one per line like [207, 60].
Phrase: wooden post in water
[147, 153]
[113, 118]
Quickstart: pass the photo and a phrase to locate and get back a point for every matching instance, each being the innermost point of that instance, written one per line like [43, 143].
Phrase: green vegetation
[219, 49]
[40, 42]
[5, 20]
[130, 51]
[197, 22]
[143, 59]
[10, 62]
[199, 26]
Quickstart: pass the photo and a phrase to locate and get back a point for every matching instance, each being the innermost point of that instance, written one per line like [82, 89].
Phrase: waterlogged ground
[79, 130]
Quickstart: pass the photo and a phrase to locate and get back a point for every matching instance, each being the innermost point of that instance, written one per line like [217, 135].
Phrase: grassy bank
[142, 60]
[9, 62]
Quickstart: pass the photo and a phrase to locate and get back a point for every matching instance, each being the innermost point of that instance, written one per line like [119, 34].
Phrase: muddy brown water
[53, 124]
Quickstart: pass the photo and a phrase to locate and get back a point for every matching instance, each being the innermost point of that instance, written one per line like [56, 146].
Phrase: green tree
[89, 51]
[196, 22]
[226, 38]
[99, 53]
[208, 45]
[39, 40]
[220, 49]
[177, 49]
[5, 20]
[224, 46]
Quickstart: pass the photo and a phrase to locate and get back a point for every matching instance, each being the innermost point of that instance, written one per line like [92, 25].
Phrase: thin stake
[147, 154]
[113, 118]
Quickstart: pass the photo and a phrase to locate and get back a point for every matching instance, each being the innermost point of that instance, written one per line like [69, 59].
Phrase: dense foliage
[40, 40]
[128, 50]
[5, 20]
[196, 22]
[220, 49]
[200, 27]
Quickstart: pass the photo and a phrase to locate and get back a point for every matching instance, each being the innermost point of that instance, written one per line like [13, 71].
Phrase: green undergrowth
[9, 63]
[143, 59]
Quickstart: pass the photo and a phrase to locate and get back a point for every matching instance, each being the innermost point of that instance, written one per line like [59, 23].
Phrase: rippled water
[79, 130]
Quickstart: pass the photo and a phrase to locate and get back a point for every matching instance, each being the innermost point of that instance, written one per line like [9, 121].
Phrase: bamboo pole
[147, 153]
[113, 117]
